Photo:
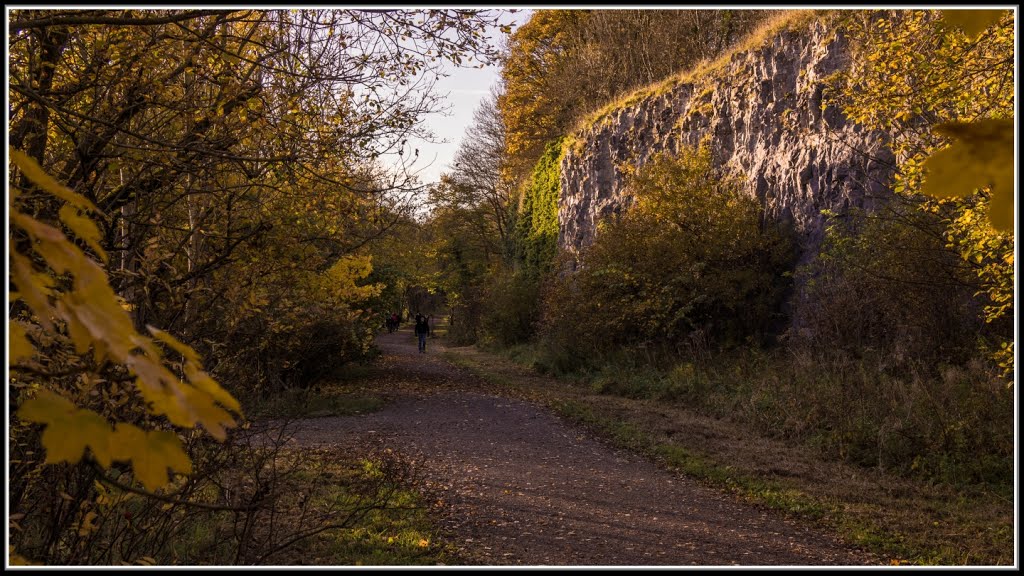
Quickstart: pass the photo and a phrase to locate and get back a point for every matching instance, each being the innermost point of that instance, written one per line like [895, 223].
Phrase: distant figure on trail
[394, 322]
[422, 330]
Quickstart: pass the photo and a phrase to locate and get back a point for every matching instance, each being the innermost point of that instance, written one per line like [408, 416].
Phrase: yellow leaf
[94, 304]
[33, 288]
[83, 227]
[185, 350]
[69, 430]
[972, 22]
[19, 345]
[151, 454]
[204, 382]
[205, 412]
[154, 382]
[88, 525]
[981, 155]
[45, 407]
[183, 405]
[30, 168]
[52, 244]
[79, 335]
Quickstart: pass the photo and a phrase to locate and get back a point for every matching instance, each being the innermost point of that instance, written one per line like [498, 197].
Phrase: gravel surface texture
[516, 485]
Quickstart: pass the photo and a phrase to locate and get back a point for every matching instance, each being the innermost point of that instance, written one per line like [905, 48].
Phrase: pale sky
[465, 87]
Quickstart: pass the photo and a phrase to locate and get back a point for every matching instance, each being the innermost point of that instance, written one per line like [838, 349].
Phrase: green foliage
[511, 307]
[536, 219]
[690, 265]
[466, 245]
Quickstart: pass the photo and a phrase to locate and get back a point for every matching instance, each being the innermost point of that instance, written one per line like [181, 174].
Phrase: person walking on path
[422, 330]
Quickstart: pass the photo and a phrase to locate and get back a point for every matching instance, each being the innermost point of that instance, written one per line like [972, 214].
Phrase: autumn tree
[227, 166]
[564, 64]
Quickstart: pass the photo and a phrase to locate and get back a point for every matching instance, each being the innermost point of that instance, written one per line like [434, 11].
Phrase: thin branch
[127, 488]
[16, 27]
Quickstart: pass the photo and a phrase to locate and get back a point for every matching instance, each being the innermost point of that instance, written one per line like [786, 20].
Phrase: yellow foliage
[913, 73]
[48, 183]
[83, 227]
[972, 22]
[70, 430]
[20, 347]
[95, 318]
[981, 156]
[33, 288]
[151, 452]
[345, 273]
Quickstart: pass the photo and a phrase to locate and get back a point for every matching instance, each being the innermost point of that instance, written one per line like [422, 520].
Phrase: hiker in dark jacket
[422, 330]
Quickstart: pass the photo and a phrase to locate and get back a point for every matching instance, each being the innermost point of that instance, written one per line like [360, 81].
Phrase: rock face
[763, 112]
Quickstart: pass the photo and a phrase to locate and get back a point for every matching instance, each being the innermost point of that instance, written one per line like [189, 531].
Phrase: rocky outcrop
[762, 110]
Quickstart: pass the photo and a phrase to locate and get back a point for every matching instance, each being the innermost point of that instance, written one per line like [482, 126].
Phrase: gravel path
[521, 487]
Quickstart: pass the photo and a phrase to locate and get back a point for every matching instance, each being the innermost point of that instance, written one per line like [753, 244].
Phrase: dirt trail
[521, 487]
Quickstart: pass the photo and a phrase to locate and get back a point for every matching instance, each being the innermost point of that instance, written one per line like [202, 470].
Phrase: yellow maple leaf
[981, 155]
[18, 343]
[972, 22]
[83, 227]
[151, 454]
[69, 430]
[204, 382]
[31, 169]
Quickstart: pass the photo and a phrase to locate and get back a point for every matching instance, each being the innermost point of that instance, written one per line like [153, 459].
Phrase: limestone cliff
[762, 109]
